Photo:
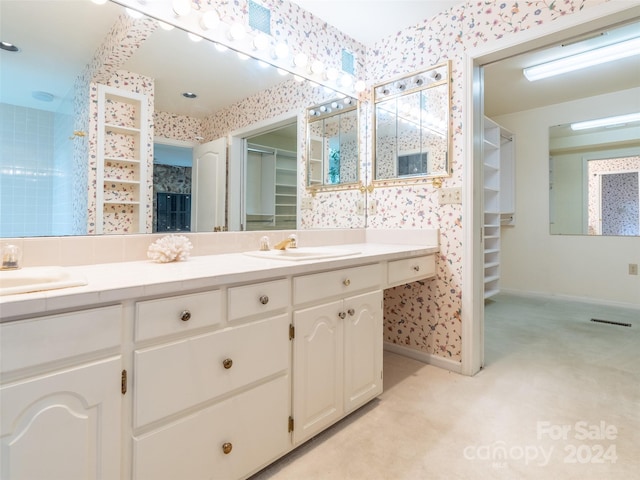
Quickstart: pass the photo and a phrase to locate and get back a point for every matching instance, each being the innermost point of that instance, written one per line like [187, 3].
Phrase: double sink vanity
[209, 368]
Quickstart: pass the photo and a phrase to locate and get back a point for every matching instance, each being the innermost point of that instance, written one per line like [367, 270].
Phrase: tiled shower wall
[33, 179]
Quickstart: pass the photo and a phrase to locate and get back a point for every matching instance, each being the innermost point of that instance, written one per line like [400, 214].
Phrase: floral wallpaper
[124, 38]
[426, 316]
[622, 177]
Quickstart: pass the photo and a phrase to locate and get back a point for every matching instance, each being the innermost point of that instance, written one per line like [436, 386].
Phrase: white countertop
[117, 282]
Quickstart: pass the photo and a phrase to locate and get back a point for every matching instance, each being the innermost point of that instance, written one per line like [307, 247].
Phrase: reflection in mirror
[595, 180]
[411, 126]
[332, 144]
[50, 89]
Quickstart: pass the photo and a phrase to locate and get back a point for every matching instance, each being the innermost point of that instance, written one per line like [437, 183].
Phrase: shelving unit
[316, 150]
[498, 187]
[121, 170]
[271, 189]
[286, 190]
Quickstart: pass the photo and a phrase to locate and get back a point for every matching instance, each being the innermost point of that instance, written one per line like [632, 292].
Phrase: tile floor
[559, 398]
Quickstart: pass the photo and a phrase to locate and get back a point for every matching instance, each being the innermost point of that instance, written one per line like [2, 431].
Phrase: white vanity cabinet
[215, 402]
[337, 359]
[61, 396]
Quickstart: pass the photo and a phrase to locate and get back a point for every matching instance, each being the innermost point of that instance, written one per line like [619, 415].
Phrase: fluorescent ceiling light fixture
[582, 60]
[606, 122]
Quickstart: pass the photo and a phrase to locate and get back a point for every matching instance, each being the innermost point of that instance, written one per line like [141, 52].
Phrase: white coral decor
[171, 248]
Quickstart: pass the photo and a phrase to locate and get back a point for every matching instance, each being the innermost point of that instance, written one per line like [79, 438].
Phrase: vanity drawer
[175, 376]
[409, 270]
[258, 298]
[165, 316]
[28, 343]
[320, 286]
[227, 440]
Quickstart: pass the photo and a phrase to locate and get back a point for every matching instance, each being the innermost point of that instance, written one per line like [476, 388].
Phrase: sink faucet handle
[264, 244]
[294, 240]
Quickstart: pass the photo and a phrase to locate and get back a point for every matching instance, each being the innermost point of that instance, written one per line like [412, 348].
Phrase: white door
[64, 425]
[363, 349]
[209, 186]
[318, 361]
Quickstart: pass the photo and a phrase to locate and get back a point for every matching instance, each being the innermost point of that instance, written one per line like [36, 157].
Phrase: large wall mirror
[332, 145]
[594, 175]
[197, 95]
[412, 133]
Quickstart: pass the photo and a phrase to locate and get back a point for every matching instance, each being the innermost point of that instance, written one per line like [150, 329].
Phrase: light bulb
[99, 2]
[281, 50]
[193, 37]
[181, 8]
[165, 26]
[209, 20]
[242, 56]
[261, 42]
[283, 72]
[317, 67]
[300, 60]
[133, 13]
[360, 86]
[237, 31]
[332, 74]
[346, 80]
[220, 47]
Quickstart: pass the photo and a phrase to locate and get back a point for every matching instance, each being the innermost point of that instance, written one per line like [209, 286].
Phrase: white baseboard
[573, 298]
[424, 357]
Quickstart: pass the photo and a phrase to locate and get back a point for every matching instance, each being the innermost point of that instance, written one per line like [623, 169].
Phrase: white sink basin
[35, 279]
[304, 253]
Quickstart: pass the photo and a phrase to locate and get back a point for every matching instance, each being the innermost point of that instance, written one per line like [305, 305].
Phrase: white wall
[533, 261]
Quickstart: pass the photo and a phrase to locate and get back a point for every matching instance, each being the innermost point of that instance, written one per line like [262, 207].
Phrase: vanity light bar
[606, 122]
[582, 60]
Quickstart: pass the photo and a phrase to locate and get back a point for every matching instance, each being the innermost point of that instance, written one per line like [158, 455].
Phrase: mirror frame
[378, 96]
[314, 114]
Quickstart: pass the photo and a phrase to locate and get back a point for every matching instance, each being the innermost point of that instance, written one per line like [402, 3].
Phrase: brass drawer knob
[227, 447]
[346, 282]
[342, 315]
[416, 268]
[227, 363]
[185, 315]
[351, 312]
[264, 299]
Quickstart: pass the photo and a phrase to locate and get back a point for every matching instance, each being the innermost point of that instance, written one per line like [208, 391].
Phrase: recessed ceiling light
[9, 47]
[189, 95]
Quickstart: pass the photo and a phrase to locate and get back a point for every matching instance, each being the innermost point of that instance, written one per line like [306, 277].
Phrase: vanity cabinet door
[317, 369]
[63, 425]
[337, 361]
[363, 349]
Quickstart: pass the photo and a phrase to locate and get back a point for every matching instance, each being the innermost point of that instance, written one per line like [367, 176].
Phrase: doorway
[473, 298]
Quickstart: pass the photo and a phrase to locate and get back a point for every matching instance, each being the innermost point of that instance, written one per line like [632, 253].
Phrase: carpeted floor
[559, 398]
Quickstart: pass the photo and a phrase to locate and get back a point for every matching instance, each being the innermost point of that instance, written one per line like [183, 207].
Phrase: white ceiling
[368, 21]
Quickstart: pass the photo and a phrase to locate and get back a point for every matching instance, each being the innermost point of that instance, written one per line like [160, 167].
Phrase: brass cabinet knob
[342, 315]
[264, 299]
[185, 315]
[346, 282]
[416, 268]
[227, 447]
[227, 363]
[351, 312]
